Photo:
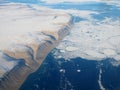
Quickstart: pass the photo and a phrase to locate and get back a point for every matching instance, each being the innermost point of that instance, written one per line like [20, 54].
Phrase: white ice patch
[100, 80]
[62, 70]
[112, 2]
[71, 48]
[62, 1]
[78, 70]
[92, 39]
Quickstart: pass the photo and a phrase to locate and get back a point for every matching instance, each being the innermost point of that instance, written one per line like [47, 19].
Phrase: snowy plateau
[27, 35]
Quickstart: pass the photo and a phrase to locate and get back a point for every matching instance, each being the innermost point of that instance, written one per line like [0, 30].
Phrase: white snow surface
[22, 26]
[14, 21]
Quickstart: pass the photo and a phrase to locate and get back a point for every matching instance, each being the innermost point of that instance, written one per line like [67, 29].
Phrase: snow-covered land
[27, 35]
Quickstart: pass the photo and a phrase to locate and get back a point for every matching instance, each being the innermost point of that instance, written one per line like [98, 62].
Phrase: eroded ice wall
[27, 35]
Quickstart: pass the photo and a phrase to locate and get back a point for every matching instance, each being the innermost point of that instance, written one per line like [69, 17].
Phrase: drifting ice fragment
[78, 70]
[62, 70]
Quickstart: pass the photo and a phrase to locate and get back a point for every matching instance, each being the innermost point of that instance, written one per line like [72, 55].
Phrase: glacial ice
[27, 34]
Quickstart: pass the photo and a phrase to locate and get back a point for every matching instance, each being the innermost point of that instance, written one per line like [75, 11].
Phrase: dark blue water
[111, 75]
[49, 76]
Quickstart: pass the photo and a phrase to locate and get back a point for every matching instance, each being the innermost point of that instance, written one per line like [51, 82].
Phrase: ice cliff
[27, 35]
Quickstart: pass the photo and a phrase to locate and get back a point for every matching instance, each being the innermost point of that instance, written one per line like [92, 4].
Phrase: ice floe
[78, 70]
[92, 39]
[69, 48]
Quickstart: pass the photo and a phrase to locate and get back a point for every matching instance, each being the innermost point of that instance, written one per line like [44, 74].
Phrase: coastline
[29, 53]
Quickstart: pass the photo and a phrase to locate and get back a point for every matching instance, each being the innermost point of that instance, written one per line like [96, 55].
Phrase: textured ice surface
[92, 39]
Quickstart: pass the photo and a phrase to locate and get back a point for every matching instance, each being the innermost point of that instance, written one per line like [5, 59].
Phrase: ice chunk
[62, 70]
[78, 70]
[70, 48]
